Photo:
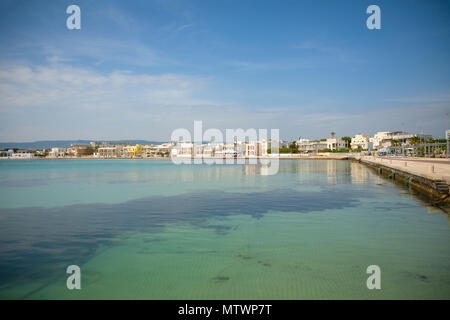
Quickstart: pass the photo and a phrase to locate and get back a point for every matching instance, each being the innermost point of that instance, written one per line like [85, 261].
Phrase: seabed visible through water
[155, 230]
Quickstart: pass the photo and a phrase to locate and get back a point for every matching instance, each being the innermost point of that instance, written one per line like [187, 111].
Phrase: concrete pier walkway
[434, 169]
[431, 175]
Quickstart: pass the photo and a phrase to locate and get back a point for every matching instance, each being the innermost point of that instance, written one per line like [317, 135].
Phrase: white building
[361, 141]
[336, 144]
[241, 148]
[229, 150]
[21, 154]
[165, 148]
[264, 147]
[380, 139]
[57, 152]
[208, 151]
[309, 146]
[387, 139]
[183, 150]
[161, 150]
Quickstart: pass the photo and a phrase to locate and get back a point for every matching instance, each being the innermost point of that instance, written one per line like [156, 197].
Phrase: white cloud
[22, 86]
[102, 50]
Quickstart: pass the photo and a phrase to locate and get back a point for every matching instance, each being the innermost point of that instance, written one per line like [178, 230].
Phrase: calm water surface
[149, 229]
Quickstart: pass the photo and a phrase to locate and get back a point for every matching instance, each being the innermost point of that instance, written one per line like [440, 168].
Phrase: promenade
[431, 175]
[434, 169]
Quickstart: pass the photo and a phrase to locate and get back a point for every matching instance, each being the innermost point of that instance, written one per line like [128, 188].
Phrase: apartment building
[57, 152]
[108, 152]
[311, 146]
[361, 141]
[386, 139]
[256, 149]
[183, 149]
[79, 150]
[336, 144]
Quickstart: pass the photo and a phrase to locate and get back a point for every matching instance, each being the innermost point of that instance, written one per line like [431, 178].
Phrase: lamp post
[447, 137]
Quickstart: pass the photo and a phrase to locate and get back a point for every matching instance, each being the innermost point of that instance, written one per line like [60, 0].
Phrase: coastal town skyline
[239, 144]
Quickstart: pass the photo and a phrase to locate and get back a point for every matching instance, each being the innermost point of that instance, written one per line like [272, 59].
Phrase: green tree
[414, 140]
[347, 140]
[89, 151]
[285, 150]
[293, 147]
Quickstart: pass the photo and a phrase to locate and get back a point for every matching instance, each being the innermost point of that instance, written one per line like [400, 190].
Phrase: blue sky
[140, 69]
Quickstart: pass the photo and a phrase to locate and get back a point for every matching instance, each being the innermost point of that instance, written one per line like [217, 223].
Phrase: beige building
[256, 149]
[82, 150]
[108, 152]
[360, 141]
[251, 149]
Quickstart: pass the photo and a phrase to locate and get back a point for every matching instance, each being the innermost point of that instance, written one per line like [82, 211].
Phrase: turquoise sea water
[149, 229]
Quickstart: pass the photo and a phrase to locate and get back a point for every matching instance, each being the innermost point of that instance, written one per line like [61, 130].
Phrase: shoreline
[290, 157]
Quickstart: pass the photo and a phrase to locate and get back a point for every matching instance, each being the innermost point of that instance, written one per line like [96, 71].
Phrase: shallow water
[149, 229]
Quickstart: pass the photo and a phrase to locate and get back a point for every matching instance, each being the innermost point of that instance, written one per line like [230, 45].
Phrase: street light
[447, 136]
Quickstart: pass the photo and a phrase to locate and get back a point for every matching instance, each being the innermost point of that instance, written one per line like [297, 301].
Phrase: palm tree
[415, 140]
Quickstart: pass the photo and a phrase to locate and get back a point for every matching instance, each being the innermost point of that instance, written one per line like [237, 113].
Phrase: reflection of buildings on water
[315, 170]
[205, 172]
[308, 166]
[359, 173]
[332, 170]
[252, 169]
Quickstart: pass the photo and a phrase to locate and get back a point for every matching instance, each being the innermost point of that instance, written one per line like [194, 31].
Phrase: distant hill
[64, 143]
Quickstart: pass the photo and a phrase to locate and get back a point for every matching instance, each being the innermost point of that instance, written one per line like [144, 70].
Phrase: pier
[429, 175]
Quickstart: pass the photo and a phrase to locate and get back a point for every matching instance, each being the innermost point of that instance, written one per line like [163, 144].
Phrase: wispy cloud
[318, 47]
[436, 98]
[104, 50]
[185, 26]
[23, 86]
[119, 17]
[309, 45]
[290, 64]
[331, 51]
